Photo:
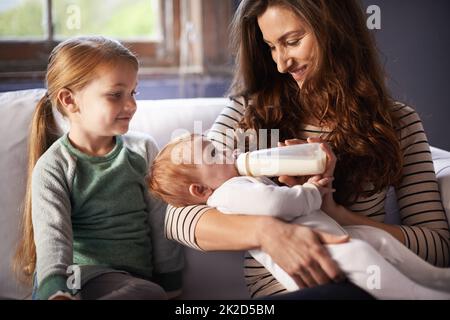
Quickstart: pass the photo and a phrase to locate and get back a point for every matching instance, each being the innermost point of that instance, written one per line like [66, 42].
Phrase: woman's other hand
[300, 252]
[329, 205]
[331, 157]
[330, 167]
[289, 180]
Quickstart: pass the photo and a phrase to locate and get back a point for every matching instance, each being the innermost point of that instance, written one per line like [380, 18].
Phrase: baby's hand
[323, 184]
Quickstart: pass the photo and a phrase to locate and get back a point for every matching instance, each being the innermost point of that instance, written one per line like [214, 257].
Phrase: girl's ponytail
[43, 134]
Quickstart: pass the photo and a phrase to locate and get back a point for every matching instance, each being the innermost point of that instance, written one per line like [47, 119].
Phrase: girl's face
[107, 104]
[290, 41]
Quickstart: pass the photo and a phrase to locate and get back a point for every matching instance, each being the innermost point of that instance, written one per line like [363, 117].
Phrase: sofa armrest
[441, 161]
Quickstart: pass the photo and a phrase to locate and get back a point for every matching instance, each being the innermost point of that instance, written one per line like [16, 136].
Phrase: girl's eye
[134, 93]
[213, 152]
[116, 95]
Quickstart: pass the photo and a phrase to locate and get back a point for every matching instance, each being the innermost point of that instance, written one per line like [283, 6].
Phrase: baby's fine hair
[72, 65]
[170, 176]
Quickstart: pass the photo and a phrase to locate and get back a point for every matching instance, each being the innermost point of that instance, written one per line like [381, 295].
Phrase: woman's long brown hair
[72, 66]
[346, 91]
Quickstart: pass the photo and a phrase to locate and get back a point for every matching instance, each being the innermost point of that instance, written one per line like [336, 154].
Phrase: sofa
[217, 275]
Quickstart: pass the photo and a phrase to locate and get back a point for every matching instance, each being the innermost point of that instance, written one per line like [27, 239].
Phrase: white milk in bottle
[295, 160]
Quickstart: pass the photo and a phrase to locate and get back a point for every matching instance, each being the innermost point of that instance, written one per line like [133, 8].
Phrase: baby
[191, 171]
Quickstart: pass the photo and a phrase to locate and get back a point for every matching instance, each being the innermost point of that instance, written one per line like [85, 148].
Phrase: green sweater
[96, 213]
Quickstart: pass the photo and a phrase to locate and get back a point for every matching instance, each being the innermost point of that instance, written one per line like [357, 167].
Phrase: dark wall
[415, 43]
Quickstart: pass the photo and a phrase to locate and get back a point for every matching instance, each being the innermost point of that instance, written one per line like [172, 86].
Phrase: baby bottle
[295, 160]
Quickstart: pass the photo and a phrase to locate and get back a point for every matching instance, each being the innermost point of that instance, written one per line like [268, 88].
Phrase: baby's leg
[402, 258]
[120, 286]
[366, 268]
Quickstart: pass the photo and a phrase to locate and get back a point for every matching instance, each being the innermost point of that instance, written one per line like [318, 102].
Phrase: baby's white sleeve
[244, 196]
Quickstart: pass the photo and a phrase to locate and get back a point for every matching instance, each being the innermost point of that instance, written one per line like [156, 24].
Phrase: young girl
[91, 230]
[373, 259]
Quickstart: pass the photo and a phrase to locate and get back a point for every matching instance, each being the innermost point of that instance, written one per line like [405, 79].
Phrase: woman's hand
[329, 169]
[329, 206]
[331, 157]
[288, 180]
[300, 252]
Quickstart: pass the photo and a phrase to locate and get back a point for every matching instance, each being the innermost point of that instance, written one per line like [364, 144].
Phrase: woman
[310, 69]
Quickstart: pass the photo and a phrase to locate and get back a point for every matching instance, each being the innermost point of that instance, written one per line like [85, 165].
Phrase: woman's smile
[299, 73]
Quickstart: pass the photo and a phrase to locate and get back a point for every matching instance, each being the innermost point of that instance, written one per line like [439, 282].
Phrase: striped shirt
[424, 223]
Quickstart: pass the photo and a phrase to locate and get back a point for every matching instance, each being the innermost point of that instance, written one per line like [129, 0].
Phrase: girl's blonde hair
[72, 65]
[170, 178]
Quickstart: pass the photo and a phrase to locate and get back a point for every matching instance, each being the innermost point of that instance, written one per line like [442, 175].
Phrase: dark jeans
[333, 291]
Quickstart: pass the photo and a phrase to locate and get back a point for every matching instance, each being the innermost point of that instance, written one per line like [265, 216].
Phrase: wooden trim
[49, 19]
[217, 15]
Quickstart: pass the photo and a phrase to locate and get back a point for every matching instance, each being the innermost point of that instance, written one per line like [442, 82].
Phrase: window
[87, 17]
[169, 36]
[29, 19]
[22, 19]
[29, 29]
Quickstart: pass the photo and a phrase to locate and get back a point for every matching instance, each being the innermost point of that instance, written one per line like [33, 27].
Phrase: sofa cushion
[167, 119]
[16, 109]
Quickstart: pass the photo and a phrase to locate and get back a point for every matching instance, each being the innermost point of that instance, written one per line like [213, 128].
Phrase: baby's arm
[248, 196]
[51, 215]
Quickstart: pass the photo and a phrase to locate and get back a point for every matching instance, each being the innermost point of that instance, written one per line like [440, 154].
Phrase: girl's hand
[300, 252]
[61, 297]
[173, 295]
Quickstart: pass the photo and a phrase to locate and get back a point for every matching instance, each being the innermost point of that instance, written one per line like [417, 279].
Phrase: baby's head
[188, 170]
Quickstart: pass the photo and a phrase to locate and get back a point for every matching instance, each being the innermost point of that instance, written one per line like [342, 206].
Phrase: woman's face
[291, 42]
